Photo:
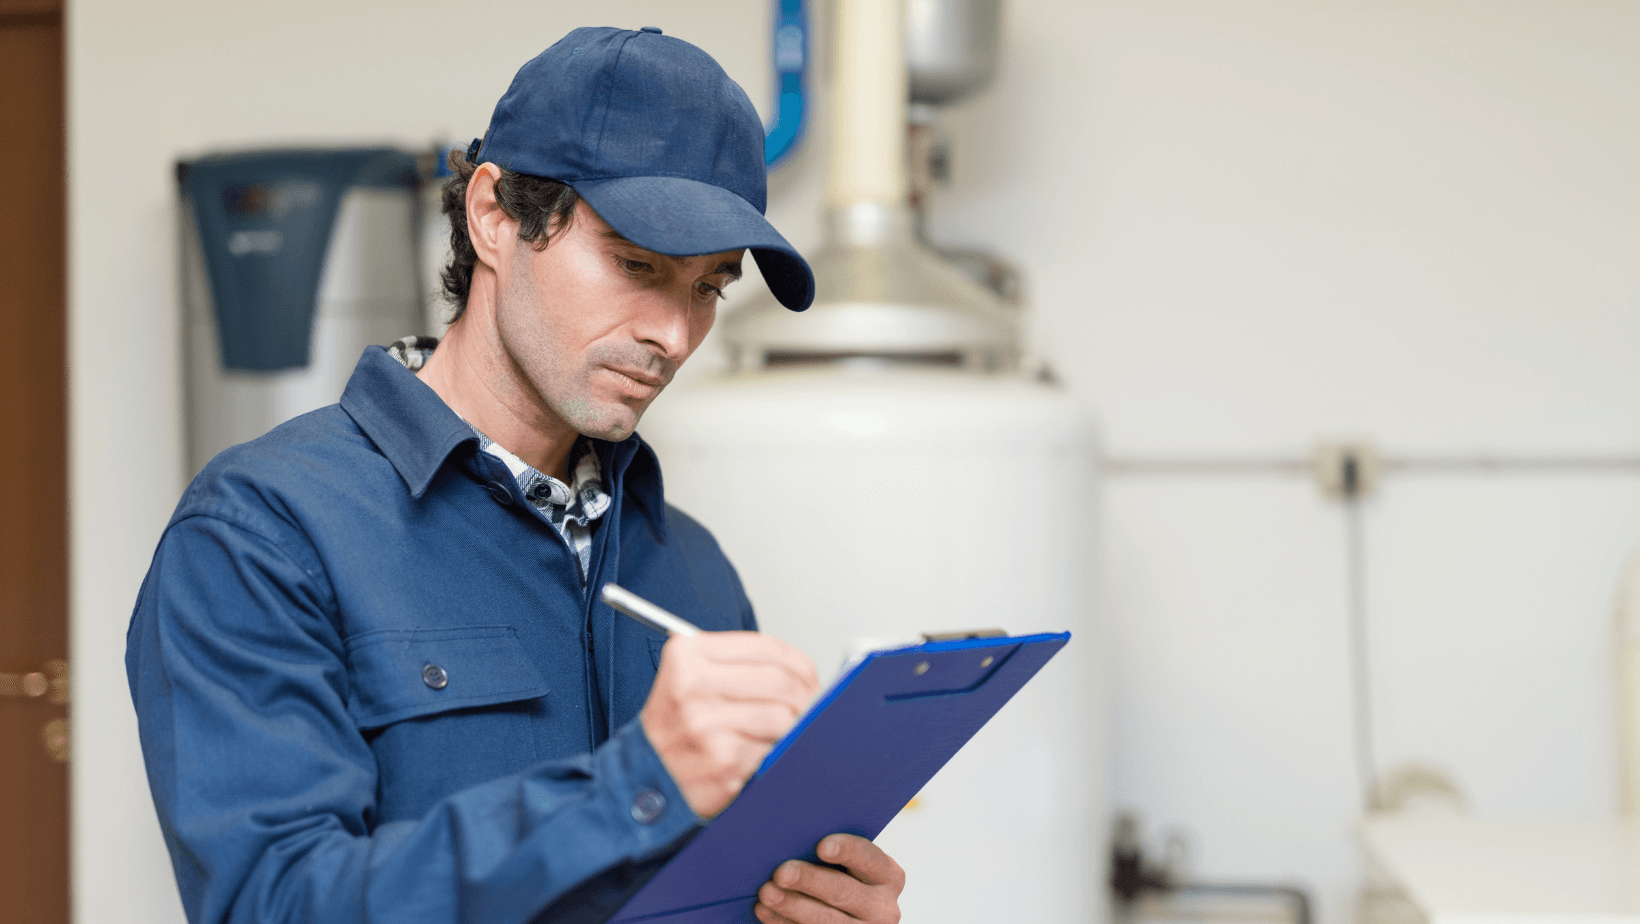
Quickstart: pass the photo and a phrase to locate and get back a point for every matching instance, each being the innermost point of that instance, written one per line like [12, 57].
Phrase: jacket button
[500, 492]
[435, 677]
[647, 806]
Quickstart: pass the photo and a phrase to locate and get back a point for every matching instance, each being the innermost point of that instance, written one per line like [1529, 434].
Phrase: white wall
[1249, 226]
[1246, 226]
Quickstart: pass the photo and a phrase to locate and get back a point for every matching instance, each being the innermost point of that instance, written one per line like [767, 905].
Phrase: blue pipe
[791, 65]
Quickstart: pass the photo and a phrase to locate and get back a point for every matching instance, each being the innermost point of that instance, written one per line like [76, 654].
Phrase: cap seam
[608, 89]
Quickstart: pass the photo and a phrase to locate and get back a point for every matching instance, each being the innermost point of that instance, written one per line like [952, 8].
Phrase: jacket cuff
[641, 794]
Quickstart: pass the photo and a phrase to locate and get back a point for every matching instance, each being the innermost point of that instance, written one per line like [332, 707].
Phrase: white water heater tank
[876, 467]
[864, 506]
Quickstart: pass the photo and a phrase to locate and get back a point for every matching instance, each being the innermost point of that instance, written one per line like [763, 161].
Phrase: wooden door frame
[34, 800]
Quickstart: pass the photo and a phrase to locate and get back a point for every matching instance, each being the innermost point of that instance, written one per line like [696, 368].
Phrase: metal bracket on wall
[1346, 469]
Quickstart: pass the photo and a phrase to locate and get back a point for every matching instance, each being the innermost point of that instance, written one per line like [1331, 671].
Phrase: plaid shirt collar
[579, 503]
[583, 500]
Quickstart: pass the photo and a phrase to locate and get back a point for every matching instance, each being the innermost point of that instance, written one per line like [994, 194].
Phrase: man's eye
[633, 266]
[707, 290]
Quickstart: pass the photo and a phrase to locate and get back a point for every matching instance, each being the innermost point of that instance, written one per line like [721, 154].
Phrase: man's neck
[472, 372]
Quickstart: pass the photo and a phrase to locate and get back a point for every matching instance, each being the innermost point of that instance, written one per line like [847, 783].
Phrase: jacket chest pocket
[442, 709]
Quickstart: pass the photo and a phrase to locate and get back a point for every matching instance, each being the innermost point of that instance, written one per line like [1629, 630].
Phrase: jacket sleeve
[265, 787]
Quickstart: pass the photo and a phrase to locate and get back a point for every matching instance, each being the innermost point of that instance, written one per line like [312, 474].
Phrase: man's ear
[488, 227]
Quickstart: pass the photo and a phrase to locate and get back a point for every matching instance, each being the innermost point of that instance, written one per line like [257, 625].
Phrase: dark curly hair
[537, 203]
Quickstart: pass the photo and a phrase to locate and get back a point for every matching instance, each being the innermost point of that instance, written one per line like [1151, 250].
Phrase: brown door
[33, 468]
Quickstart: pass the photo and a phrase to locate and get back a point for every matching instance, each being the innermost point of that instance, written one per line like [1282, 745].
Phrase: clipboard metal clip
[962, 635]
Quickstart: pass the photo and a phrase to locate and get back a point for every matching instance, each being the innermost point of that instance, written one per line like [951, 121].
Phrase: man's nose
[666, 318]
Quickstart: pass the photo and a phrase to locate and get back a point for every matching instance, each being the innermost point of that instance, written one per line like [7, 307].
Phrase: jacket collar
[417, 432]
[640, 471]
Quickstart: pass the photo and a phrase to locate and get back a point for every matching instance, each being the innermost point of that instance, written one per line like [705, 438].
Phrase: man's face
[597, 325]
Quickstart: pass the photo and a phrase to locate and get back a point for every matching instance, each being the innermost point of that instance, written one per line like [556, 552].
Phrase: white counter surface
[1463, 870]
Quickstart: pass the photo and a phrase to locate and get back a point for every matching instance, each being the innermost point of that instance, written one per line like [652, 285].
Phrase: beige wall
[1246, 226]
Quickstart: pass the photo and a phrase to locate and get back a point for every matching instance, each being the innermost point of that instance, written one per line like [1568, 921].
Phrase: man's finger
[799, 908]
[758, 723]
[752, 647]
[749, 682]
[805, 883]
[865, 860]
[770, 916]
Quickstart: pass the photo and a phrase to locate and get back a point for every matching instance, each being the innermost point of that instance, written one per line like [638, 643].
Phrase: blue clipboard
[848, 766]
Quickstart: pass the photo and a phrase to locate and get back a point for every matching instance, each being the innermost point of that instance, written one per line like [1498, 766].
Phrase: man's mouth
[647, 379]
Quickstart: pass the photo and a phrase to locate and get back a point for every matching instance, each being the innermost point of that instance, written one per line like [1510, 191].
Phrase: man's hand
[803, 893]
[720, 701]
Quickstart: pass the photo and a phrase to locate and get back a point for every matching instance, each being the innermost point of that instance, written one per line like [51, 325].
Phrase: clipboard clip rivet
[921, 668]
[987, 662]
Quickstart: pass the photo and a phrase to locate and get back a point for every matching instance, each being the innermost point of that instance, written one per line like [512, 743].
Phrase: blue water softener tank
[294, 260]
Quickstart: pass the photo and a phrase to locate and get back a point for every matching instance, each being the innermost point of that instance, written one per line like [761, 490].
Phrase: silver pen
[642, 610]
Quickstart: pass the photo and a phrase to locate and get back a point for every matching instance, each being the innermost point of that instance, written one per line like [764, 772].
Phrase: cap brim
[683, 218]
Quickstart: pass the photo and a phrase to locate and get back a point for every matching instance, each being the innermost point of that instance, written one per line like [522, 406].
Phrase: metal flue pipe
[881, 296]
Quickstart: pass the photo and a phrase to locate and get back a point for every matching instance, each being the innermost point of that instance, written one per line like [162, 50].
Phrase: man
[371, 675]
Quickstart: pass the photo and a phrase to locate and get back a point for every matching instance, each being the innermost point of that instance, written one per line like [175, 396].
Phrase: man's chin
[608, 423]
[612, 434]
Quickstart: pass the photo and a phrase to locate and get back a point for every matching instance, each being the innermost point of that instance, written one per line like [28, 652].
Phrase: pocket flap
[404, 673]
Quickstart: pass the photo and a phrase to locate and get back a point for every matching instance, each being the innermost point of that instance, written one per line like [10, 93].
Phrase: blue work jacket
[372, 688]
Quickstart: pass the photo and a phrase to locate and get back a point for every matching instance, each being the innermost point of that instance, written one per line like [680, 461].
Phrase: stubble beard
[570, 393]
[612, 420]
[566, 393]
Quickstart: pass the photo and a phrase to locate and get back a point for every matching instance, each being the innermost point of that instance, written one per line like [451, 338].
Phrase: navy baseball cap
[657, 139]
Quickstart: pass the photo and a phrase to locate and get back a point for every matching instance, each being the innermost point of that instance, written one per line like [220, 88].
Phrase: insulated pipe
[868, 100]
